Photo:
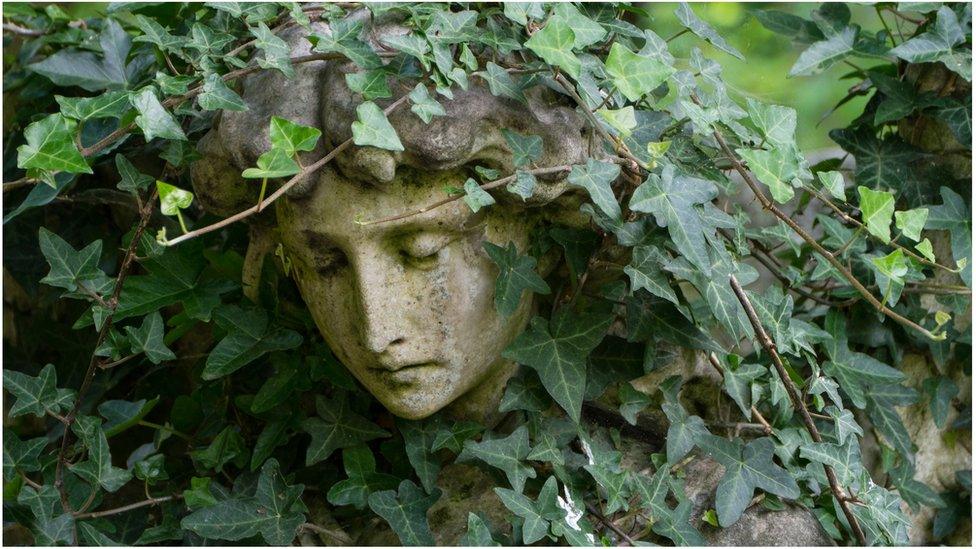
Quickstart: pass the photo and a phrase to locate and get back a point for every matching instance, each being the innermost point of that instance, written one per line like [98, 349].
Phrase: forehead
[341, 209]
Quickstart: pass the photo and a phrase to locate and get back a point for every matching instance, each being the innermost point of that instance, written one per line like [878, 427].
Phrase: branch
[485, 186]
[124, 508]
[844, 271]
[113, 304]
[257, 208]
[339, 536]
[23, 31]
[798, 403]
[609, 524]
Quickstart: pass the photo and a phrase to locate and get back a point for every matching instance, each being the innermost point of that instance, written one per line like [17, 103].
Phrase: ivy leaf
[703, 30]
[336, 427]
[959, 118]
[291, 137]
[363, 479]
[121, 414]
[231, 519]
[737, 383]
[373, 129]
[823, 54]
[554, 44]
[775, 168]
[148, 338]
[478, 534]
[406, 512]
[279, 503]
[523, 186]
[526, 149]
[151, 469]
[879, 163]
[500, 83]
[524, 392]
[623, 121]
[953, 216]
[370, 84]
[834, 183]
[199, 494]
[418, 439]
[249, 336]
[154, 33]
[845, 426]
[558, 351]
[892, 268]
[586, 31]
[632, 402]
[453, 27]
[844, 458]
[217, 96]
[172, 199]
[36, 395]
[538, 515]
[645, 272]
[597, 177]
[344, 39]
[940, 390]
[83, 69]
[154, 119]
[132, 179]
[226, 447]
[453, 437]
[275, 50]
[21, 455]
[633, 74]
[938, 44]
[516, 274]
[72, 269]
[745, 470]
[855, 370]
[425, 106]
[777, 123]
[886, 420]
[272, 164]
[877, 208]
[507, 454]
[410, 44]
[684, 431]
[50, 146]
[476, 197]
[672, 199]
[111, 104]
[97, 470]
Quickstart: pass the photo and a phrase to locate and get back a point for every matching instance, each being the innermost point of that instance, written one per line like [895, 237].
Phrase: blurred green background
[768, 58]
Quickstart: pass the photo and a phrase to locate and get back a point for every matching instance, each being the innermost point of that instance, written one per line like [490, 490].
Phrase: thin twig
[113, 303]
[129, 507]
[23, 31]
[22, 182]
[340, 536]
[257, 208]
[844, 271]
[118, 362]
[798, 403]
[609, 524]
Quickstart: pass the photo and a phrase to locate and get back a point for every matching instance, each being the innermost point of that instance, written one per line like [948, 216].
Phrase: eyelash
[330, 262]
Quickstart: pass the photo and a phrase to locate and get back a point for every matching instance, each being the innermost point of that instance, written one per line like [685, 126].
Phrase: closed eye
[329, 262]
[422, 249]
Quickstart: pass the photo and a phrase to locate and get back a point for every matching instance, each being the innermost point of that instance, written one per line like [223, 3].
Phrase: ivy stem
[844, 271]
[129, 507]
[257, 208]
[182, 223]
[159, 427]
[609, 524]
[766, 427]
[798, 403]
[339, 536]
[264, 187]
[113, 302]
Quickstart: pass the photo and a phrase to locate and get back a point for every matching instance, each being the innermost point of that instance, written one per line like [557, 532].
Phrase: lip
[391, 367]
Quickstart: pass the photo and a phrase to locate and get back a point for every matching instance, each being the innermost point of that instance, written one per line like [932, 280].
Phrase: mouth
[403, 373]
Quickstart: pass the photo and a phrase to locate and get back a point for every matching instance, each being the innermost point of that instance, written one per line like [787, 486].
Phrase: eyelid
[424, 244]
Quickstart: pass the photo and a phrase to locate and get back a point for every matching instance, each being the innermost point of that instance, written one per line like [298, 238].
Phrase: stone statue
[407, 304]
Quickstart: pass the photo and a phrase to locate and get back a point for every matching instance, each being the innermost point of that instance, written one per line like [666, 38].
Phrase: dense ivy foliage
[148, 401]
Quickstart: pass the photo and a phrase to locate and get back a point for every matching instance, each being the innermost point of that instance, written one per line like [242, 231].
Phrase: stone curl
[317, 95]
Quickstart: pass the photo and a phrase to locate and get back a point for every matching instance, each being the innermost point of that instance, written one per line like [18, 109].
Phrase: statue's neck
[480, 404]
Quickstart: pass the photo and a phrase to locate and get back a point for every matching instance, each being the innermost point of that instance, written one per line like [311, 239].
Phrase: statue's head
[406, 304]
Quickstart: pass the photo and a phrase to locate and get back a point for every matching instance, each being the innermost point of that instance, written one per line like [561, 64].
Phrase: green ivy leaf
[633, 74]
[526, 149]
[554, 44]
[227, 447]
[148, 338]
[406, 512]
[523, 186]
[507, 454]
[476, 197]
[672, 198]
[877, 208]
[834, 183]
[217, 96]
[373, 129]
[132, 179]
[623, 121]
[336, 427]
[370, 84]
[50, 146]
[500, 83]
[172, 199]
[879, 163]
[70, 67]
[154, 33]
[516, 274]
[291, 137]
[823, 54]
[36, 395]
[275, 51]
[737, 383]
[953, 216]
[939, 44]
[97, 469]
[940, 391]
[537, 515]
[249, 336]
[111, 104]
[418, 440]
[775, 168]
[151, 469]
[745, 470]
[777, 123]
[20, 455]
[73, 269]
[558, 351]
[478, 533]
[425, 106]
[154, 119]
[597, 177]
[703, 30]
[272, 164]
[363, 479]
[645, 272]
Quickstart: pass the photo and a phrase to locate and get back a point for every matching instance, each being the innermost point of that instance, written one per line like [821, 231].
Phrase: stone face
[407, 305]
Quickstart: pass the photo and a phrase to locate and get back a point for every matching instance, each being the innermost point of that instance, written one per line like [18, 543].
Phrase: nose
[380, 294]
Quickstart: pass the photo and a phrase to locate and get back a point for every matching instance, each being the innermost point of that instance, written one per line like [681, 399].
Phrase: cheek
[331, 302]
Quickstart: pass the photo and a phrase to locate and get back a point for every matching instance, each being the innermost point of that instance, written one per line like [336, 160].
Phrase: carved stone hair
[318, 96]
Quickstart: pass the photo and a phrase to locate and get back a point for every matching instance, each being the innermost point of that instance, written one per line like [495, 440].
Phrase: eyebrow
[455, 224]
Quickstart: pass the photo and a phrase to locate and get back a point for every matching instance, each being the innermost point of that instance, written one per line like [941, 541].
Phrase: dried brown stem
[338, 536]
[798, 403]
[129, 507]
[609, 524]
[23, 31]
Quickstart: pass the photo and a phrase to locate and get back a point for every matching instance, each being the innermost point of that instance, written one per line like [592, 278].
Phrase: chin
[412, 408]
